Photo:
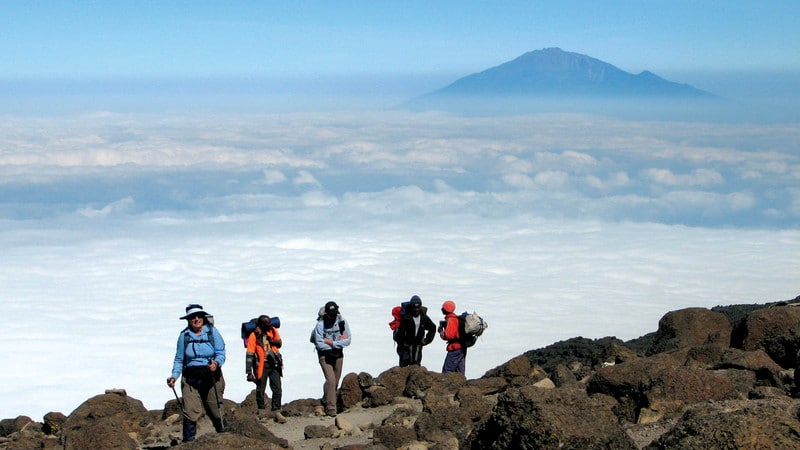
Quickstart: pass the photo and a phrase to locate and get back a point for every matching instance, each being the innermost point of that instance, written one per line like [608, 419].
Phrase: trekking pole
[180, 403]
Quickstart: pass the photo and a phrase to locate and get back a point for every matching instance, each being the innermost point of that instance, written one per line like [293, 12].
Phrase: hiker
[330, 336]
[455, 361]
[264, 364]
[416, 330]
[199, 357]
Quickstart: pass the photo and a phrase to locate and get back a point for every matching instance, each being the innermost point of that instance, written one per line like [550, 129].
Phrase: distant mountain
[553, 73]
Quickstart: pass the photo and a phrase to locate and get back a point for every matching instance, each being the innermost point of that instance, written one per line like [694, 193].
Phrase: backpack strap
[188, 338]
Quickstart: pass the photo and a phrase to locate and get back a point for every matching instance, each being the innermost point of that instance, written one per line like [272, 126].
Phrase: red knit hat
[449, 306]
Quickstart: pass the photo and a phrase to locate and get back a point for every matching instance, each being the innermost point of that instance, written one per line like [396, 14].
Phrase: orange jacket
[450, 332]
[258, 348]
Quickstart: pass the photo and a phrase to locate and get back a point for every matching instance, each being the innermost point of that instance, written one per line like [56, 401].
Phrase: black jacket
[405, 334]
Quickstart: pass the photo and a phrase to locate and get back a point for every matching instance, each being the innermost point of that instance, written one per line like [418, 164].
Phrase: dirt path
[363, 420]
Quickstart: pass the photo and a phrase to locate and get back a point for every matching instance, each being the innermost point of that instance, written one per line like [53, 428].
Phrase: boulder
[378, 396]
[218, 441]
[9, 426]
[29, 439]
[365, 380]
[691, 327]
[562, 376]
[320, 431]
[756, 361]
[53, 423]
[247, 425]
[661, 378]
[474, 403]
[443, 424]
[302, 407]
[532, 418]
[489, 385]
[105, 421]
[420, 381]
[775, 330]
[394, 436]
[519, 366]
[350, 393]
[402, 416]
[750, 424]
[743, 381]
[438, 401]
[394, 380]
[763, 367]
[582, 354]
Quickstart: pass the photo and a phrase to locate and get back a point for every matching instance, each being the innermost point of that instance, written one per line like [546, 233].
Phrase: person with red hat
[455, 361]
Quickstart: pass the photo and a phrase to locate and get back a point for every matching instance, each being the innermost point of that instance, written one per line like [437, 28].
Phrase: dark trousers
[410, 355]
[455, 361]
[273, 378]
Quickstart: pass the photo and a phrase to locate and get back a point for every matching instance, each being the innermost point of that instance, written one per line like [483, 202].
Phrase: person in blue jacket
[199, 356]
[330, 336]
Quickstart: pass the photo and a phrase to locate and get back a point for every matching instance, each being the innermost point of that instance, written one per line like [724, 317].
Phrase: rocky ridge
[707, 378]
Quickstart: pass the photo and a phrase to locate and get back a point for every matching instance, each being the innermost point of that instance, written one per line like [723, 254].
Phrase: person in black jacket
[415, 331]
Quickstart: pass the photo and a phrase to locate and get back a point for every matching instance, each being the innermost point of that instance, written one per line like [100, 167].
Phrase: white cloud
[613, 181]
[274, 177]
[741, 201]
[318, 198]
[552, 179]
[304, 178]
[699, 177]
[519, 181]
[579, 158]
[119, 206]
[521, 273]
[710, 203]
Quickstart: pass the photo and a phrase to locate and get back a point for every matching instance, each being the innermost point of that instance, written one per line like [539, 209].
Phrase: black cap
[415, 300]
[331, 308]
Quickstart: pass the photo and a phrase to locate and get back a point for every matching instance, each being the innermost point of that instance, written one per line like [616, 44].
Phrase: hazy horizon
[751, 97]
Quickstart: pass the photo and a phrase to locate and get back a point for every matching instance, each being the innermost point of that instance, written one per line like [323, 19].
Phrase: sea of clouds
[550, 226]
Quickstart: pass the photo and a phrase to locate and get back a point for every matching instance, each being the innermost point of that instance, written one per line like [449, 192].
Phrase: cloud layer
[565, 165]
[550, 226]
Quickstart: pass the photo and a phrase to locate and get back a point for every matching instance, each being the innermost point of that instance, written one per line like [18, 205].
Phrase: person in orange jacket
[264, 364]
[455, 361]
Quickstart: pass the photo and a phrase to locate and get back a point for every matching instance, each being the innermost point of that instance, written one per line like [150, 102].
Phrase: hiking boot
[189, 430]
[278, 416]
[330, 412]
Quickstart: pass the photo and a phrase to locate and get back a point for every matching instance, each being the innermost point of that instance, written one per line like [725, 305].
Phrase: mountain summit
[552, 73]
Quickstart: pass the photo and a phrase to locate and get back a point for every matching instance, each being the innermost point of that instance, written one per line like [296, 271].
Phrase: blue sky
[258, 38]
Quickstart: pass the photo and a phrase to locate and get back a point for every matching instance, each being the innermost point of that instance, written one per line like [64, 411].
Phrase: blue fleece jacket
[330, 329]
[198, 350]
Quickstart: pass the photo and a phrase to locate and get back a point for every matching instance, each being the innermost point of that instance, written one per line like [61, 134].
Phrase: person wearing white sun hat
[199, 356]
